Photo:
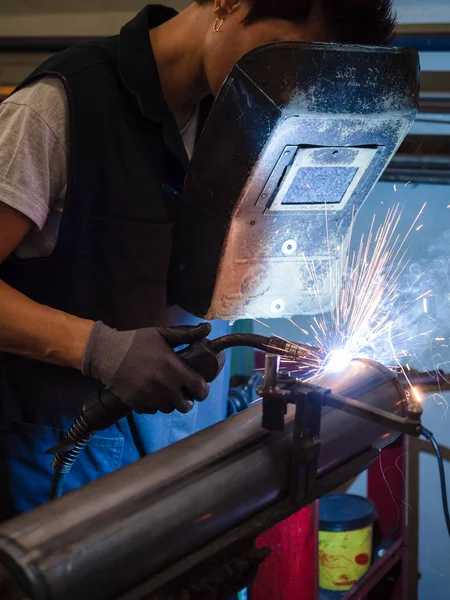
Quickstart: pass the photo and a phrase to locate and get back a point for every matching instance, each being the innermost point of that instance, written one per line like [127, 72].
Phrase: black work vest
[126, 172]
[111, 257]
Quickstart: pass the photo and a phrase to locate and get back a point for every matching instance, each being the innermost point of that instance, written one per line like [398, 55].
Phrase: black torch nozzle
[272, 344]
[295, 351]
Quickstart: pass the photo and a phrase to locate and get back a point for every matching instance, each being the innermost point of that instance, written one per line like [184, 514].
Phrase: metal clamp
[308, 402]
[278, 391]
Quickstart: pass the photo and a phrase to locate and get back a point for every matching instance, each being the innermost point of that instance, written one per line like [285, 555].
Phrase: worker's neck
[177, 46]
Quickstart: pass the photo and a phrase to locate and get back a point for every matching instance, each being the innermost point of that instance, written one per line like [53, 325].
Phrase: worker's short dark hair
[347, 21]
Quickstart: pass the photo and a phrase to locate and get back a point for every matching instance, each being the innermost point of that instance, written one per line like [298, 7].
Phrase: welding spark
[365, 294]
[404, 339]
[425, 305]
[394, 354]
[415, 395]
[257, 320]
[419, 228]
[424, 294]
[337, 361]
[298, 326]
[370, 285]
[441, 401]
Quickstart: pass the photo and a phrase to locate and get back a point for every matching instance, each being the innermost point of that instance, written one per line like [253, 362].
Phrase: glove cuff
[105, 351]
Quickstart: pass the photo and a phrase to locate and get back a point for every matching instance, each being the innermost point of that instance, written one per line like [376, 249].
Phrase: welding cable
[234, 340]
[57, 485]
[104, 409]
[266, 344]
[110, 409]
[430, 437]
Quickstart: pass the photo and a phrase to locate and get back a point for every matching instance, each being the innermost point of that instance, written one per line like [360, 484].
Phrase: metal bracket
[410, 425]
[306, 444]
[278, 391]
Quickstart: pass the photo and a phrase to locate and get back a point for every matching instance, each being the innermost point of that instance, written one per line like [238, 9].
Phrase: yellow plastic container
[345, 540]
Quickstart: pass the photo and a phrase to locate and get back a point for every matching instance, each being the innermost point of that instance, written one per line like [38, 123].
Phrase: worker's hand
[141, 368]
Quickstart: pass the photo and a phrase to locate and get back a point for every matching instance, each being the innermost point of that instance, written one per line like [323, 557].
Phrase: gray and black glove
[141, 368]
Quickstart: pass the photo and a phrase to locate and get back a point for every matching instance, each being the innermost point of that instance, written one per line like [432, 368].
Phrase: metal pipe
[425, 176]
[439, 104]
[36, 44]
[421, 161]
[419, 168]
[111, 535]
[432, 41]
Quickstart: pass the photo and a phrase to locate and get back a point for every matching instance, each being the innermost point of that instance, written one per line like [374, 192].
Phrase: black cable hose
[57, 485]
[273, 344]
[430, 437]
[79, 434]
[251, 340]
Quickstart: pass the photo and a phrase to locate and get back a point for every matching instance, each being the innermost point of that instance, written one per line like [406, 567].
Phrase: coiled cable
[77, 439]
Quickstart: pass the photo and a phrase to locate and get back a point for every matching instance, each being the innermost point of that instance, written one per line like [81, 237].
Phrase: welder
[94, 147]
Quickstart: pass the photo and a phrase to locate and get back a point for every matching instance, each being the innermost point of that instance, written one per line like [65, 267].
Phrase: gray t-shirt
[34, 147]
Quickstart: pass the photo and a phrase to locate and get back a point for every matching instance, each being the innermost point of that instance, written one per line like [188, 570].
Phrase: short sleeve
[34, 148]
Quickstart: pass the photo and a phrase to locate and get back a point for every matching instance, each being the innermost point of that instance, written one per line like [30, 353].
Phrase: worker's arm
[26, 327]
[138, 366]
[33, 173]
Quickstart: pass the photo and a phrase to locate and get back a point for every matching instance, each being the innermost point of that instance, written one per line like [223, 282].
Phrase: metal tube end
[271, 370]
[415, 412]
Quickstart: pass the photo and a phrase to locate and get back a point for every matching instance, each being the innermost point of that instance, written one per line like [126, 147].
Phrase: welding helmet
[296, 140]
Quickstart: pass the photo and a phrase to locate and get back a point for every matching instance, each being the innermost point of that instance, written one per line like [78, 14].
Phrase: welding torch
[207, 358]
[104, 409]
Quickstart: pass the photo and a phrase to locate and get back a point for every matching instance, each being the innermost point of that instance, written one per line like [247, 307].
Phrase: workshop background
[429, 243]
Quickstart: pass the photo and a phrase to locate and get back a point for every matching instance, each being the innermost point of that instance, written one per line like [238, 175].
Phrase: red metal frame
[291, 572]
[375, 575]
[387, 488]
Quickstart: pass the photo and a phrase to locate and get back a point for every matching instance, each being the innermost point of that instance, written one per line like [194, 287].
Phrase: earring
[218, 22]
